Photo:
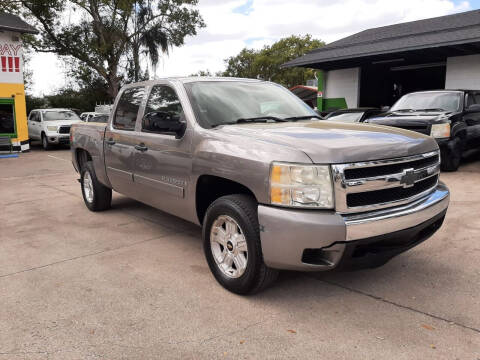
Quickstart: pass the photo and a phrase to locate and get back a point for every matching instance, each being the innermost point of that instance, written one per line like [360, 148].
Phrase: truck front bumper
[59, 139]
[318, 240]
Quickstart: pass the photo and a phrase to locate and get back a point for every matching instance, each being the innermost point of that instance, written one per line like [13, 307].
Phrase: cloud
[235, 24]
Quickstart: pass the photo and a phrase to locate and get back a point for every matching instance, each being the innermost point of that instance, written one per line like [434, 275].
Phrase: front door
[120, 140]
[34, 125]
[163, 162]
[473, 121]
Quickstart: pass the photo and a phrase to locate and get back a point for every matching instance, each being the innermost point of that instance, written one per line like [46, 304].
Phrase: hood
[332, 142]
[415, 118]
[61, 122]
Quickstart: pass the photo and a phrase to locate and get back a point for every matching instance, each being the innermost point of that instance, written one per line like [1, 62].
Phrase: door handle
[141, 147]
[110, 142]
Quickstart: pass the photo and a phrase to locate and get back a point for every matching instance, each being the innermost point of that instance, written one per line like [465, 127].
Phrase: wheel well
[209, 188]
[82, 157]
[461, 134]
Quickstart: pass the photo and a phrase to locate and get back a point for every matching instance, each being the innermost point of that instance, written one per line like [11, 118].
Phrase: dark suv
[452, 117]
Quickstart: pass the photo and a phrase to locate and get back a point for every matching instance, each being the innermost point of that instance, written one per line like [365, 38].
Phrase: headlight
[307, 186]
[52, 128]
[440, 130]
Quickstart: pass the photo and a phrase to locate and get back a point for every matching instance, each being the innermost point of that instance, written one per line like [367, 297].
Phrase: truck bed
[89, 137]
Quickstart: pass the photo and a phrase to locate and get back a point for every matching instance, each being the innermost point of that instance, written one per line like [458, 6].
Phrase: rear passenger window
[127, 108]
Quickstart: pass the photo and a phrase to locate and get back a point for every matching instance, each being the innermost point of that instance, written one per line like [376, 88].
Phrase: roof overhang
[413, 55]
[435, 38]
[10, 22]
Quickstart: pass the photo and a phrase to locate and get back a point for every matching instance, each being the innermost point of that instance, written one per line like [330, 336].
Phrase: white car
[87, 116]
[51, 126]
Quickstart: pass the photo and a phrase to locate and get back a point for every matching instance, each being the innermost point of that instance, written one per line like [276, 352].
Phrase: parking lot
[132, 283]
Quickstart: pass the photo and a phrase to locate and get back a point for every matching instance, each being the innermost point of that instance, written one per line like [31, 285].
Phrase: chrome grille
[64, 130]
[366, 186]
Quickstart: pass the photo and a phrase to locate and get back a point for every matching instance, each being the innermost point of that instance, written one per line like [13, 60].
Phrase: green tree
[242, 65]
[107, 32]
[202, 73]
[267, 62]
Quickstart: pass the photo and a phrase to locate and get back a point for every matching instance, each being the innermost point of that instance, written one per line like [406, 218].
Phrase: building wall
[11, 84]
[463, 72]
[344, 83]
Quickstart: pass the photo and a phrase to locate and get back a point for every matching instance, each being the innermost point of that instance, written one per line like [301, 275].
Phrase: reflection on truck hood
[61, 122]
[410, 118]
[331, 142]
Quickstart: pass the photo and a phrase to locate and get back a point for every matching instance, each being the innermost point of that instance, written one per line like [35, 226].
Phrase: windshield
[346, 117]
[60, 115]
[447, 101]
[219, 103]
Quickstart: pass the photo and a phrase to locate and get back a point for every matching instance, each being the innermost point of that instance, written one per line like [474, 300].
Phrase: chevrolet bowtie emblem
[408, 178]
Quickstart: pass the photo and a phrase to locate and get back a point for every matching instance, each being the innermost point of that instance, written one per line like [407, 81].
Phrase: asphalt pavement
[132, 283]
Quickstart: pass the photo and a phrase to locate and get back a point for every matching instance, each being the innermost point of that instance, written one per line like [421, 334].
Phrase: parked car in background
[452, 117]
[352, 115]
[86, 116]
[51, 126]
[99, 118]
[271, 185]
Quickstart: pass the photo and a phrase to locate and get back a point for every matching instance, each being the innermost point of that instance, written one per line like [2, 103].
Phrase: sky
[235, 24]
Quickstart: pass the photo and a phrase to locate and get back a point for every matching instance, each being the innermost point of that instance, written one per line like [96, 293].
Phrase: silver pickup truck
[271, 185]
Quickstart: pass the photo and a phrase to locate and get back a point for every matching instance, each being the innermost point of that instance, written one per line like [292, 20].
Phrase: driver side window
[163, 108]
[35, 116]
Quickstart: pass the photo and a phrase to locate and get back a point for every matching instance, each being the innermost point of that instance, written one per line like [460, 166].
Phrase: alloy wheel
[229, 246]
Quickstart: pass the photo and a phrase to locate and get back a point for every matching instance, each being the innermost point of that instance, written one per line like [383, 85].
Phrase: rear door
[163, 162]
[120, 139]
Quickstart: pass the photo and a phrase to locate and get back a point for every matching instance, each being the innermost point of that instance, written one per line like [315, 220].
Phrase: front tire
[45, 143]
[452, 155]
[231, 242]
[97, 197]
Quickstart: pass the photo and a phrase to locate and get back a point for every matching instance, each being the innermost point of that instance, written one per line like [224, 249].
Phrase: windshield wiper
[265, 119]
[295, 118]
[259, 119]
[414, 110]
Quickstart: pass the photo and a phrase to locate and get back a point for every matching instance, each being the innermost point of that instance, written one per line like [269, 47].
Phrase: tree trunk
[113, 85]
[136, 62]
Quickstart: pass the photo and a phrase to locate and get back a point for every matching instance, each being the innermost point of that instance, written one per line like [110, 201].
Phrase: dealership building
[376, 66]
[13, 116]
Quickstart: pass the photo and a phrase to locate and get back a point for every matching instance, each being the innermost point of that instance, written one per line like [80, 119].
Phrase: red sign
[9, 58]
[10, 64]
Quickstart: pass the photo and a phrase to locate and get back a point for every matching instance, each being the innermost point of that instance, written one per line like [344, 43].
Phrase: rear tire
[97, 197]
[231, 242]
[452, 155]
[45, 144]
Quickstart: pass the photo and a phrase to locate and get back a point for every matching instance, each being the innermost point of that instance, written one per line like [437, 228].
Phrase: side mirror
[385, 108]
[475, 108]
[164, 122]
